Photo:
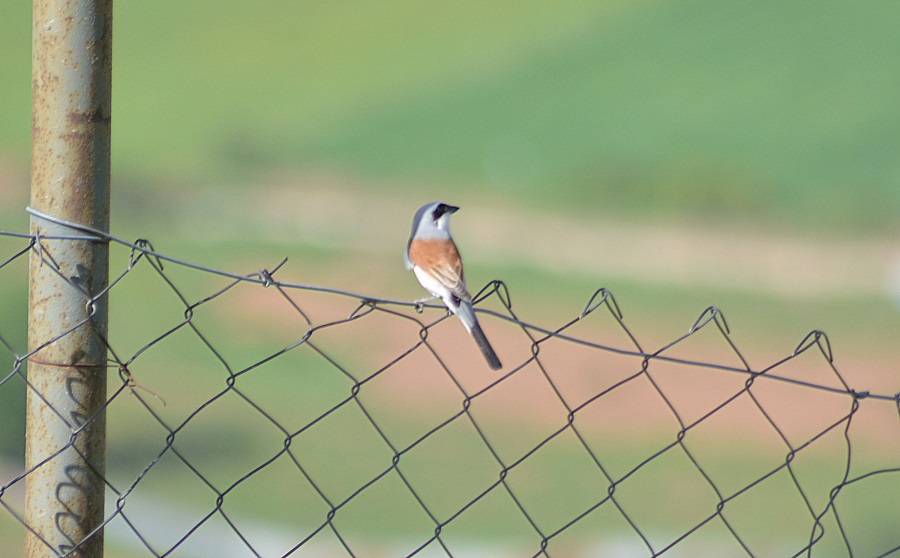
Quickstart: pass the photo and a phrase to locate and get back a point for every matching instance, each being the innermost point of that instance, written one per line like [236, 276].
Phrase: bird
[433, 256]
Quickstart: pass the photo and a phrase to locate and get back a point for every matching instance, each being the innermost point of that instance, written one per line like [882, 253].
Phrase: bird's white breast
[431, 284]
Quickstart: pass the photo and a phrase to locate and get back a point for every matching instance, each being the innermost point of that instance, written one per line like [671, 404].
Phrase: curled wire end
[266, 276]
[495, 286]
[143, 246]
[815, 337]
[712, 313]
[357, 312]
[503, 293]
[38, 246]
[600, 297]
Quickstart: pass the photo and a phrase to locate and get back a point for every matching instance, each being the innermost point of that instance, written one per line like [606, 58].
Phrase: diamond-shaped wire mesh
[249, 416]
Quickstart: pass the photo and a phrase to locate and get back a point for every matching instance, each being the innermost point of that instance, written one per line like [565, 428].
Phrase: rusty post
[65, 449]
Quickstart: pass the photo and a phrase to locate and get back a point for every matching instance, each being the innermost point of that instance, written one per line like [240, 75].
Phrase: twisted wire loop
[344, 423]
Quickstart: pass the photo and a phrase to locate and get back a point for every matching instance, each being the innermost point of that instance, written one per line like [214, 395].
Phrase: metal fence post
[66, 427]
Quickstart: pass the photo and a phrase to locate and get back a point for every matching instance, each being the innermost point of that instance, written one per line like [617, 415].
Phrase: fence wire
[250, 416]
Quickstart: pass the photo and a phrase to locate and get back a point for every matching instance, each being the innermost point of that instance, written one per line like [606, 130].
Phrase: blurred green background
[779, 111]
[763, 135]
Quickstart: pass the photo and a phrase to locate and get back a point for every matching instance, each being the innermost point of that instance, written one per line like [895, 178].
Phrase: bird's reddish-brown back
[428, 252]
[441, 257]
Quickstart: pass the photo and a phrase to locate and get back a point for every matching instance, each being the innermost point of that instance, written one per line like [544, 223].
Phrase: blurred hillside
[768, 111]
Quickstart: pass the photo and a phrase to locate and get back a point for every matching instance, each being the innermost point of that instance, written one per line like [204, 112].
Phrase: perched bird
[434, 258]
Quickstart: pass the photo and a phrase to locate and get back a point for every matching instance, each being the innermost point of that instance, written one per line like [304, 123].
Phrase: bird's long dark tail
[467, 315]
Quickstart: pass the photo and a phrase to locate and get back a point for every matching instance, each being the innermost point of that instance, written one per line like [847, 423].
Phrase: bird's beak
[452, 209]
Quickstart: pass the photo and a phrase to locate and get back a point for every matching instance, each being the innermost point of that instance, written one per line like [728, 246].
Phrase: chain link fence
[251, 416]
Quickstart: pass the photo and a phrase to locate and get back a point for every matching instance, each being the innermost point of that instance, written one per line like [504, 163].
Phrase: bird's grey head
[433, 220]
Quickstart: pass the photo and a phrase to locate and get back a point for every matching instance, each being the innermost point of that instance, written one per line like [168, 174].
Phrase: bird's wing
[440, 258]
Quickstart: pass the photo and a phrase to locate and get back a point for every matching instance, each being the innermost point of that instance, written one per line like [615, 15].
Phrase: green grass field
[775, 116]
[783, 112]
